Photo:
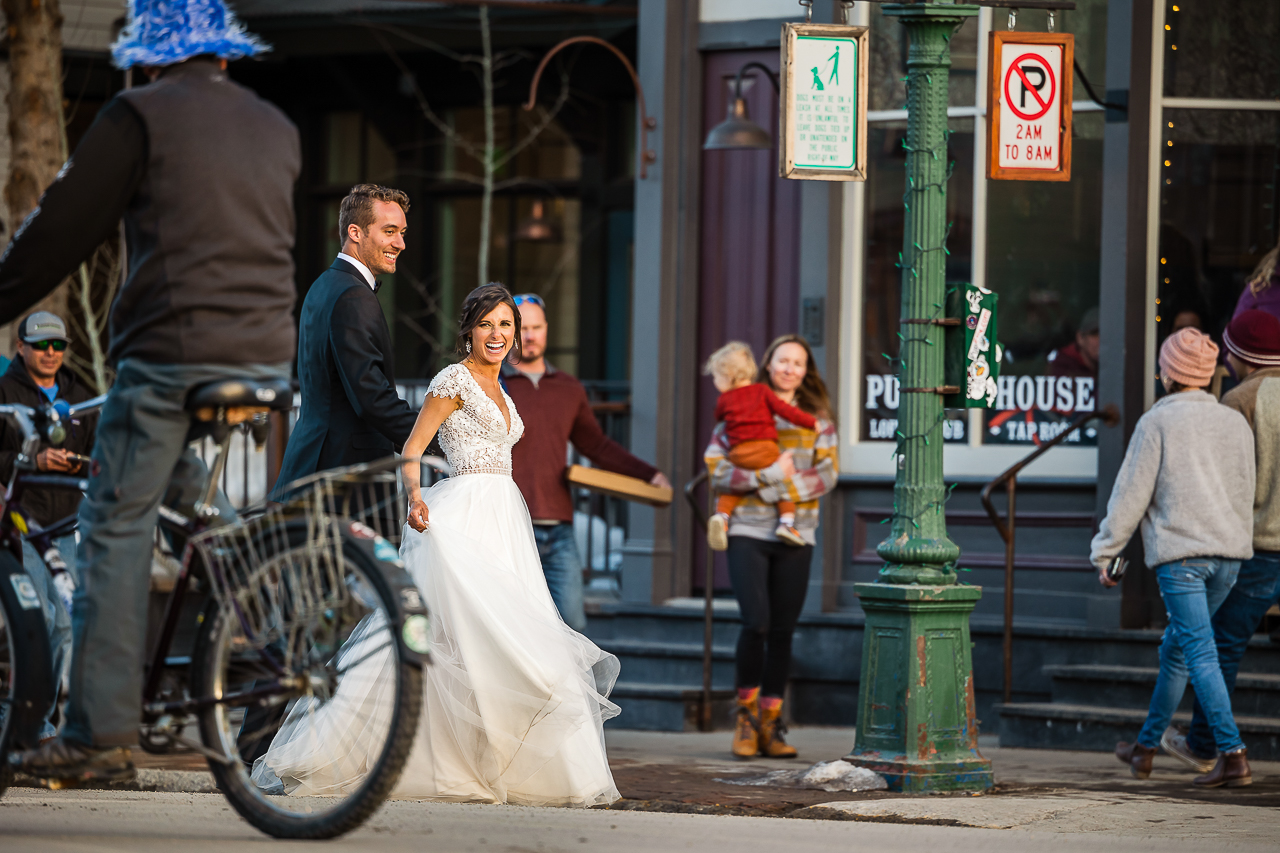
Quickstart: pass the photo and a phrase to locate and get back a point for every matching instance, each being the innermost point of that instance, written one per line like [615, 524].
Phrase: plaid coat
[817, 469]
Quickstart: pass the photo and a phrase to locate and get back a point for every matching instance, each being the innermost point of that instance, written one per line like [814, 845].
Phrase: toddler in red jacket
[747, 408]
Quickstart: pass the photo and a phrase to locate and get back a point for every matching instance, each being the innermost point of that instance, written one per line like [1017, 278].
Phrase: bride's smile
[493, 336]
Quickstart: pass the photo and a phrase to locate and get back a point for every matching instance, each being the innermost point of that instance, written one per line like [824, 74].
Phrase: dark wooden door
[749, 282]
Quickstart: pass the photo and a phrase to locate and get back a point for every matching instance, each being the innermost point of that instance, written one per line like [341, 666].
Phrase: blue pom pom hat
[165, 32]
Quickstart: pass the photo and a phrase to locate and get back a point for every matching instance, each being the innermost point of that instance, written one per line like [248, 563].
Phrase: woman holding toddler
[769, 571]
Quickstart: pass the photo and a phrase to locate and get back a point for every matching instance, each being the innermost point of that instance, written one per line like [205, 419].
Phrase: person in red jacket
[747, 408]
[555, 410]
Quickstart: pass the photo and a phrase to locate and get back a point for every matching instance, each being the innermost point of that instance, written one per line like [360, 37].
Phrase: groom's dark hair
[357, 207]
[477, 306]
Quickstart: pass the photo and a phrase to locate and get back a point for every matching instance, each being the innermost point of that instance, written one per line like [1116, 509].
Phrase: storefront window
[886, 180]
[1043, 244]
[1224, 49]
[1218, 207]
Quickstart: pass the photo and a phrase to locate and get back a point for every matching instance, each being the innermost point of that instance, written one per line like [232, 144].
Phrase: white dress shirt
[364, 271]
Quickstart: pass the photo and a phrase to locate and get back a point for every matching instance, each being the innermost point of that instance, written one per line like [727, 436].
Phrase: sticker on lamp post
[1029, 106]
[823, 87]
[972, 355]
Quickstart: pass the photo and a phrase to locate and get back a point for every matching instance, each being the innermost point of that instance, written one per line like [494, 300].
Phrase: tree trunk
[490, 151]
[37, 132]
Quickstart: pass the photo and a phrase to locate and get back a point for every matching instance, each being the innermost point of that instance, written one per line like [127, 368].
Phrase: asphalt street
[131, 822]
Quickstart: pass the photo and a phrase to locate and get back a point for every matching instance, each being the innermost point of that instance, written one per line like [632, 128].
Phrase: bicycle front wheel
[318, 723]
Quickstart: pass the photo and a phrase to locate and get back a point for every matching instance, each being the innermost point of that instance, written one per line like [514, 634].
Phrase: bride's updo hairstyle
[477, 306]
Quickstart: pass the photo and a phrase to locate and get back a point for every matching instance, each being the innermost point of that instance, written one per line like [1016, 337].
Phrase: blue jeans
[1193, 590]
[55, 614]
[141, 458]
[562, 567]
[1234, 623]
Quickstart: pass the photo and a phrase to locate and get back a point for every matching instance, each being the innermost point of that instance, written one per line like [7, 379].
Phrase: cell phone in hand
[1116, 569]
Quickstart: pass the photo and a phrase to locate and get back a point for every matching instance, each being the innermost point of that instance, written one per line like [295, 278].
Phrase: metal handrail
[1110, 416]
[708, 612]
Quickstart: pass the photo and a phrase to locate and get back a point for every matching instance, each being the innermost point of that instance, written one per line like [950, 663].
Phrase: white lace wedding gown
[515, 699]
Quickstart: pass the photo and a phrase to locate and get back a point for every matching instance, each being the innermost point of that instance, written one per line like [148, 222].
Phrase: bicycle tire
[26, 677]
[258, 807]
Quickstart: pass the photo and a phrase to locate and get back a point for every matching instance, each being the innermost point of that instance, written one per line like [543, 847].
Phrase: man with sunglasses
[555, 411]
[37, 377]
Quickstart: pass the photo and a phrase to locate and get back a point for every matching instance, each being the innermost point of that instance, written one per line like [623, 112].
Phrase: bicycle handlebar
[30, 420]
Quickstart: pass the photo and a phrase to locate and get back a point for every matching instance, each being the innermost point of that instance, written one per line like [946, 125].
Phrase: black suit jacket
[351, 412]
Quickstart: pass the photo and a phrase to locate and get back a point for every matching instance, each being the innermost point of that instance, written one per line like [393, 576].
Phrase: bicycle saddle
[276, 394]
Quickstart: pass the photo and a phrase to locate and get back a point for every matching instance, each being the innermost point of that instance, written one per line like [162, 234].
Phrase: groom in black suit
[351, 412]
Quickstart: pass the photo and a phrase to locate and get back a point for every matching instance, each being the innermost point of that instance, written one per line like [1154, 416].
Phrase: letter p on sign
[1029, 106]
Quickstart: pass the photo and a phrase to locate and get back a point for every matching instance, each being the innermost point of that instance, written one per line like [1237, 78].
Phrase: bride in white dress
[515, 699]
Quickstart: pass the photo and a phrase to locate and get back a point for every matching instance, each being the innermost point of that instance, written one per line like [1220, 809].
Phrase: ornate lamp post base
[916, 722]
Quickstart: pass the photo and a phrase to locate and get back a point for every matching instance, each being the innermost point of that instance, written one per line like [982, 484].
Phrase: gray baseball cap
[42, 326]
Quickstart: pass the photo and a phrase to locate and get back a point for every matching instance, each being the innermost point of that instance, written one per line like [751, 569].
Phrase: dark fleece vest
[211, 227]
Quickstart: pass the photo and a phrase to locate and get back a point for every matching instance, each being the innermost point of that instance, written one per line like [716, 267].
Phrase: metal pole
[917, 721]
[1012, 490]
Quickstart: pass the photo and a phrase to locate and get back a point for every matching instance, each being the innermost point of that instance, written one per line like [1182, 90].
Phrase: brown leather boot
[1137, 756]
[1231, 771]
[772, 729]
[746, 732]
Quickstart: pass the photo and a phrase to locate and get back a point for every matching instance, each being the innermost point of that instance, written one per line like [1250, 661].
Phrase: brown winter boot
[746, 733]
[772, 729]
[1232, 771]
[1137, 756]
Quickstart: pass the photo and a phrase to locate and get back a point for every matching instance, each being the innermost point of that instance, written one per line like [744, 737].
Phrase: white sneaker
[718, 533]
[1174, 743]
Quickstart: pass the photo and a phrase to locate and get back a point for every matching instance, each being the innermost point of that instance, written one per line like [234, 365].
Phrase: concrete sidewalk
[1040, 790]
[1044, 791]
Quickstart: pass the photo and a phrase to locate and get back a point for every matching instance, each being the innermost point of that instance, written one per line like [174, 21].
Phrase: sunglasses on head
[531, 298]
[56, 346]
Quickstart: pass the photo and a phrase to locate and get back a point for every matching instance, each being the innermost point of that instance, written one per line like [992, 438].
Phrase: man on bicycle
[37, 377]
[202, 172]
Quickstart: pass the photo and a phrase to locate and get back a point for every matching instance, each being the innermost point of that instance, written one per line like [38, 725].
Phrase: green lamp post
[916, 721]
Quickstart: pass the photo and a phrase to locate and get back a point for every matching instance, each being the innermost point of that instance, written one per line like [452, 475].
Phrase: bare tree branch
[547, 117]
[440, 125]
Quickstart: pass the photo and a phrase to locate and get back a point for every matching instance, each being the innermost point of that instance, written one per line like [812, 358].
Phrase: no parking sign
[1029, 108]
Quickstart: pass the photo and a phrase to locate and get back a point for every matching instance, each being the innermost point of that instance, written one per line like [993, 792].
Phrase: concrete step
[661, 624]
[652, 662]
[667, 707]
[1034, 725]
[1256, 694]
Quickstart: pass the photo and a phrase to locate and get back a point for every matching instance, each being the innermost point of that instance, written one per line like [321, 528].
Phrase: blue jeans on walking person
[562, 567]
[1234, 624]
[1193, 590]
[56, 616]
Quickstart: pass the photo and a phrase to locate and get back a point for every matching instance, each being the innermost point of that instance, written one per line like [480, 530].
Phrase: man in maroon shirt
[555, 411]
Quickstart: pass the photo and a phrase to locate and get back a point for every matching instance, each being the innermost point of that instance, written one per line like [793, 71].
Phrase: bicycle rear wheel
[332, 777]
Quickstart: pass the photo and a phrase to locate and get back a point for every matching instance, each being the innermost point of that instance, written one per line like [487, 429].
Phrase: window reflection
[1218, 208]
[888, 57]
[882, 288]
[1043, 244]
[1222, 49]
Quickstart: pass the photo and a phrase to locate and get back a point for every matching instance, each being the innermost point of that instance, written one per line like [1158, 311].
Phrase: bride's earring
[468, 347]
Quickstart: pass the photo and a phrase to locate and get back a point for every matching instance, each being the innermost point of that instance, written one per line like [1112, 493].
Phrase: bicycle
[289, 593]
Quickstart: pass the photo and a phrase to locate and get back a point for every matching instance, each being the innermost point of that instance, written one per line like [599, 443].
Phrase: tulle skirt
[515, 700]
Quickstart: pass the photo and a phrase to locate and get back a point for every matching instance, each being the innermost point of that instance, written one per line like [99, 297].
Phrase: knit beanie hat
[1189, 357]
[1254, 337]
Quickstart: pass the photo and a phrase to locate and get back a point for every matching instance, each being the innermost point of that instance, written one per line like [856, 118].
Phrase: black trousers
[769, 580]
